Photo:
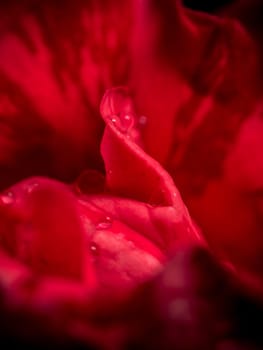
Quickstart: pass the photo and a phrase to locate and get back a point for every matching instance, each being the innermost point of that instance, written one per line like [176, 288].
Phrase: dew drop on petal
[94, 249]
[105, 224]
[114, 120]
[142, 120]
[31, 187]
[7, 198]
[123, 122]
[149, 206]
[127, 122]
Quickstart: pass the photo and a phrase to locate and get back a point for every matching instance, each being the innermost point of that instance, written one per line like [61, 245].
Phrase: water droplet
[127, 122]
[90, 181]
[105, 224]
[123, 122]
[114, 120]
[94, 248]
[7, 198]
[142, 120]
[150, 206]
[31, 187]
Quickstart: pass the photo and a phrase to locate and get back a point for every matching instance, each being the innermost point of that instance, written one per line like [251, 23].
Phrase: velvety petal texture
[114, 116]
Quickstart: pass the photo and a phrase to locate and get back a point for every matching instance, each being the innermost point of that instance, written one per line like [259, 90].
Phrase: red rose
[70, 243]
[97, 246]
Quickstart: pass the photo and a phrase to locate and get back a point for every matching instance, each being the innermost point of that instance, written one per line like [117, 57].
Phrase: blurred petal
[53, 73]
[40, 227]
[197, 80]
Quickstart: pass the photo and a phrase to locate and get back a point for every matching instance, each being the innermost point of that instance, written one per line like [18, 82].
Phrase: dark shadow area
[207, 6]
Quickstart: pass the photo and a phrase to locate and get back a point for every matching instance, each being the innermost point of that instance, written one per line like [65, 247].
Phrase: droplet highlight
[114, 120]
[127, 122]
[105, 224]
[7, 198]
[142, 121]
[124, 122]
[94, 249]
[31, 187]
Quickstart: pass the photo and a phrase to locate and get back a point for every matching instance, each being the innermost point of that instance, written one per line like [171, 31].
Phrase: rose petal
[126, 164]
[54, 69]
[209, 100]
[132, 173]
[43, 222]
[122, 257]
[167, 227]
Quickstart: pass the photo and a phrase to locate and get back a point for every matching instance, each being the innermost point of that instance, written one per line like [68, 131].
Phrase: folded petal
[130, 172]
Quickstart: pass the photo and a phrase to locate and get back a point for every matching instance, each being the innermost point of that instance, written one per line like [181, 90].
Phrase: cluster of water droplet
[123, 122]
[26, 188]
[104, 224]
[7, 198]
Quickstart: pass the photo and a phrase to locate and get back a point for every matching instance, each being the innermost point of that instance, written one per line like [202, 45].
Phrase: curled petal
[130, 172]
[127, 165]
